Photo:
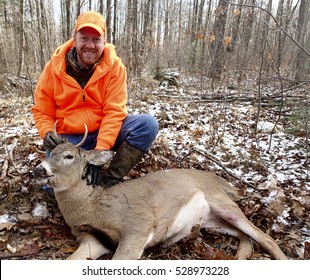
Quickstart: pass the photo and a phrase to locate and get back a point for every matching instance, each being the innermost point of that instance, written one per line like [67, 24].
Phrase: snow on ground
[194, 128]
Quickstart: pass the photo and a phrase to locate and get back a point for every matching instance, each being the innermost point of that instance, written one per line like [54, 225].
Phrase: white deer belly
[195, 212]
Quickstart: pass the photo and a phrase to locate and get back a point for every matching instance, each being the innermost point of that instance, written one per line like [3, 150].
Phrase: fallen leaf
[11, 249]
[7, 226]
[298, 209]
[30, 249]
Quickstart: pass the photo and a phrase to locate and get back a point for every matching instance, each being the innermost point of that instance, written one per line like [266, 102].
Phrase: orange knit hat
[91, 19]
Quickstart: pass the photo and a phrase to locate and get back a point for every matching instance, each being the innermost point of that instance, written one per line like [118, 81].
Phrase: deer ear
[99, 157]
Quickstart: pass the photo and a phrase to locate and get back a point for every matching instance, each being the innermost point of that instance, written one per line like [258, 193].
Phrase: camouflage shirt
[81, 75]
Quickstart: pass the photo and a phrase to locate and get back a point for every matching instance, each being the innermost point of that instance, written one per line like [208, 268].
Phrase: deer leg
[131, 247]
[89, 248]
[233, 215]
[245, 249]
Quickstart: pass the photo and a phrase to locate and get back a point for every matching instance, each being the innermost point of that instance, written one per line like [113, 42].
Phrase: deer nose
[39, 172]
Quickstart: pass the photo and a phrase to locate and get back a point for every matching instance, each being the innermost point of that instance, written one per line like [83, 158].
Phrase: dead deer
[160, 208]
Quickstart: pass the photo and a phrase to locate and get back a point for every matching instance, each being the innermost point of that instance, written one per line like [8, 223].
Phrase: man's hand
[93, 173]
[51, 141]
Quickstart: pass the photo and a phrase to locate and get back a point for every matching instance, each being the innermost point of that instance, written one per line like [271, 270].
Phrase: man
[85, 83]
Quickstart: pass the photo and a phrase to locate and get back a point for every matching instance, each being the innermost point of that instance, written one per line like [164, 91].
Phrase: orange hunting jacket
[101, 104]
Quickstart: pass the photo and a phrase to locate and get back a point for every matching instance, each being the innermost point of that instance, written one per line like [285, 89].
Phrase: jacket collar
[58, 61]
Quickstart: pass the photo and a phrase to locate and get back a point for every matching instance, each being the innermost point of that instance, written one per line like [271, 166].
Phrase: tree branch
[205, 154]
[276, 22]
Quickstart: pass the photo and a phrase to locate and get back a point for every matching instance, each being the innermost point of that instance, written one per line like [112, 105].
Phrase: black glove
[50, 141]
[93, 174]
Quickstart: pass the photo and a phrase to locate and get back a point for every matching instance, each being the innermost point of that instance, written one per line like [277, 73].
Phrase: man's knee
[151, 124]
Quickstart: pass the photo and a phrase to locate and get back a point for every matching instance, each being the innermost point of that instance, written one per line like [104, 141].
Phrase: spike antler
[83, 139]
[55, 128]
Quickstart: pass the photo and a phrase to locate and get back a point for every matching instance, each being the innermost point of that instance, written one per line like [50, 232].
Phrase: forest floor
[203, 129]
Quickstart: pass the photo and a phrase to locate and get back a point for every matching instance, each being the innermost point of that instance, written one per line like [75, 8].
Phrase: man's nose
[90, 44]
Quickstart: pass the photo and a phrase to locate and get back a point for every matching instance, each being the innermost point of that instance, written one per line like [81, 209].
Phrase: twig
[11, 256]
[5, 167]
[8, 159]
[205, 154]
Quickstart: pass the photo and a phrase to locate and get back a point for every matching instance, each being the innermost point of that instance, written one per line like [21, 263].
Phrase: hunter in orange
[85, 83]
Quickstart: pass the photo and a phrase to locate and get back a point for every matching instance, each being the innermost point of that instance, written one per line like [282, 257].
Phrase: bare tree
[41, 36]
[145, 27]
[108, 21]
[248, 26]
[101, 7]
[78, 7]
[235, 26]
[68, 20]
[20, 35]
[218, 48]
[280, 36]
[128, 38]
[302, 60]
[196, 27]
[187, 34]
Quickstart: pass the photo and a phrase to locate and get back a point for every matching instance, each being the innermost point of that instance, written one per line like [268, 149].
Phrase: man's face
[89, 46]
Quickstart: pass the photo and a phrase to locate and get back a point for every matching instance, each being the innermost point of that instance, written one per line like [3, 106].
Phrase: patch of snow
[6, 218]
[40, 211]
[32, 156]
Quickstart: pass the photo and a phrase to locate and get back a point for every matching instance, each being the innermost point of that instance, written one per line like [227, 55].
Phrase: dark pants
[138, 130]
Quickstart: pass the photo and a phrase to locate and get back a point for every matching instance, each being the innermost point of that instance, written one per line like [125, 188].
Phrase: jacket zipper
[83, 96]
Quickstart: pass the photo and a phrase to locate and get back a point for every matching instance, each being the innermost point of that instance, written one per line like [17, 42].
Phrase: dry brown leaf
[4, 239]
[298, 209]
[30, 249]
[25, 217]
[7, 226]
[66, 250]
[277, 206]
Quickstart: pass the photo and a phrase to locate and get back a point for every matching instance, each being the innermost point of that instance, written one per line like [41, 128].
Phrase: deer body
[159, 208]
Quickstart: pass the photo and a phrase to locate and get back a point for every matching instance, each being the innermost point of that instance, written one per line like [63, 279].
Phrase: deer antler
[83, 139]
[55, 128]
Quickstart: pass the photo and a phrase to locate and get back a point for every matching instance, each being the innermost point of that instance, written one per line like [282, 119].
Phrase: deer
[159, 208]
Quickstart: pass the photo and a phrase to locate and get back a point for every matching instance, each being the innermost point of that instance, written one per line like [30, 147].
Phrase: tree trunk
[68, 21]
[146, 27]
[235, 27]
[158, 33]
[108, 21]
[218, 48]
[280, 35]
[115, 18]
[248, 27]
[41, 39]
[78, 8]
[101, 7]
[128, 36]
[135, 43]
[197, 30]
[20, 32]
[302, 61]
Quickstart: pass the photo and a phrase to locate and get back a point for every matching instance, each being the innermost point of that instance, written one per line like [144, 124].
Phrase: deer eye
[68, 157]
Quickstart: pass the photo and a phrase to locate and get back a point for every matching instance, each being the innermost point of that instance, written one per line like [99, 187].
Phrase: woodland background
[228, 82]
[267, 38]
